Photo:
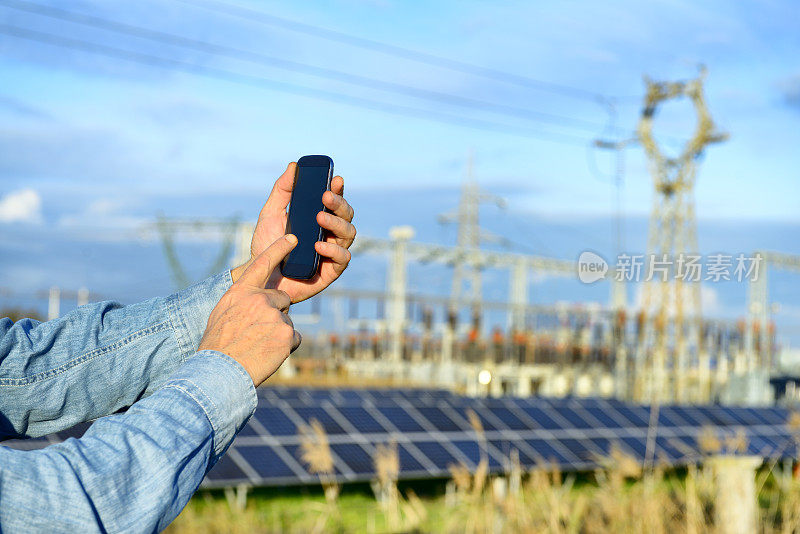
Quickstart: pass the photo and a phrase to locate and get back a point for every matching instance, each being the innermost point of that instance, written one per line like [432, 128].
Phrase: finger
[337, 185]
[288, 320]
[296, 340]
[262, 266]
[279, 299]
[281, 192]
[338, 205]
[339, 255]
[344, 231]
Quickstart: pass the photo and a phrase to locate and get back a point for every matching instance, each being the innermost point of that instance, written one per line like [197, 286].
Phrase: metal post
[241, 251]
[54, 304]
[518, 295]
[396, 289]
[83, 296]
[621, 353]
[758, 314]
[735, 506]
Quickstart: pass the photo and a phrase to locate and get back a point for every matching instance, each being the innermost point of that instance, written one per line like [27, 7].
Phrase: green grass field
[297, 510]
[615, 499]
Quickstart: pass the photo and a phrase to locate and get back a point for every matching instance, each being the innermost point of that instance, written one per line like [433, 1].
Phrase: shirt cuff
[222, 388]
[189, 310]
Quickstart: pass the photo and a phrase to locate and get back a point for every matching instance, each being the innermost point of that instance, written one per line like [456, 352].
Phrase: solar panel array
[432, 431]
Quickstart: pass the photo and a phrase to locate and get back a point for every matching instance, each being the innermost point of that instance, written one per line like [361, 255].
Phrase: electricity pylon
[223, 230]
[470, 236]
[672, 304]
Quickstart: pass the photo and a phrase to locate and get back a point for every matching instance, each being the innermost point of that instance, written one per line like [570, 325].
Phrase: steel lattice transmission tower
[466, 274]
[670, 303]
[169, 228]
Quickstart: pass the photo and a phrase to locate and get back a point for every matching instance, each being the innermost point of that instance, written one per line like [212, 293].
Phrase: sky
[94, 145]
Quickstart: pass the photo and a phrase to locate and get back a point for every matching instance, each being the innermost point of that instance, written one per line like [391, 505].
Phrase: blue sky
[105, 144]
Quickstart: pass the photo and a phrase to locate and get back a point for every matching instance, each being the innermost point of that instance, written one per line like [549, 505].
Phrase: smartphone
[312, 178]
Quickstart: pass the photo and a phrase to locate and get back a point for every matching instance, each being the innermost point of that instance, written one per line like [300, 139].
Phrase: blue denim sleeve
[131, 472]
[97, 359]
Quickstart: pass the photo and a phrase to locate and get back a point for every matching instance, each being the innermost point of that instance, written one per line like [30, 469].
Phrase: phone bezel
[299, 271]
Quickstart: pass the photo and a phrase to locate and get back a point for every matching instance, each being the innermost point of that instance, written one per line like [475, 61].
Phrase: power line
[285, 87]
[254, 15]
[272, 61]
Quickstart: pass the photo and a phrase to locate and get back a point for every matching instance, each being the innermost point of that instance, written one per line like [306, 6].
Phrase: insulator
[427, 318]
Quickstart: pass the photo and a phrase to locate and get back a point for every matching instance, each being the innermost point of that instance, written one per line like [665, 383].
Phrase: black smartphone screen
[311, 181]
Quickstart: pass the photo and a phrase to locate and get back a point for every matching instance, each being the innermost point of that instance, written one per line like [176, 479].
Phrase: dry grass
[316, 454]
[406, 514]
[621, 496]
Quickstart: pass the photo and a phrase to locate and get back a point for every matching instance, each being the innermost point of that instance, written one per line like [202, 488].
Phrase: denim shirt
[132, 471]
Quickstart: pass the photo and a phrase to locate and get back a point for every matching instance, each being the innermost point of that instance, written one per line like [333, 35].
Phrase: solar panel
[248, 430]
[487, 420]
[745, 415]
[774, 416]
[265, 461]
[691, 416]
[508, 418]
[541, 418]
[607, 445]
[356, 458]
[761, 446]
[293, 453]
[669, 450]
[352, 396]
[309, 413]
[719, 417]
[637, 415]
[550, 453]
[583, 449]
[438, 419]
[637, 445]
[408, 462]
[667, 416]
[432, 432]
[226, 469]
[527, 457]
[361, 419]
[275, 420]
[604, 417]
[475, 451]
[437, 454]
[400, 418]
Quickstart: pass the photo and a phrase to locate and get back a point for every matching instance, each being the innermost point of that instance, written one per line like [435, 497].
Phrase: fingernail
[291, 238]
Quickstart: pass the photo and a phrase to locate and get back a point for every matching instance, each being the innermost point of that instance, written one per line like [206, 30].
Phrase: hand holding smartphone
[312, 178]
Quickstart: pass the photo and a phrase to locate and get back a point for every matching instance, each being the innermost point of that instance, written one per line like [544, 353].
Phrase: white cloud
[105, 207]
[24, 205]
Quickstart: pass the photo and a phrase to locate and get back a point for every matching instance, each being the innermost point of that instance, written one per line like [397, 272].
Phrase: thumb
[258, 273]
[281, 192]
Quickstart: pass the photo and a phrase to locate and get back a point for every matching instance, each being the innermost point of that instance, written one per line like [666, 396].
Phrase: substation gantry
[400, 249]
[757, 337]
[672, 305]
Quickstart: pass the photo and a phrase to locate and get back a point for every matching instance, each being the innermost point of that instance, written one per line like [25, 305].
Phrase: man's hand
[249, 323]
[333, 251]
